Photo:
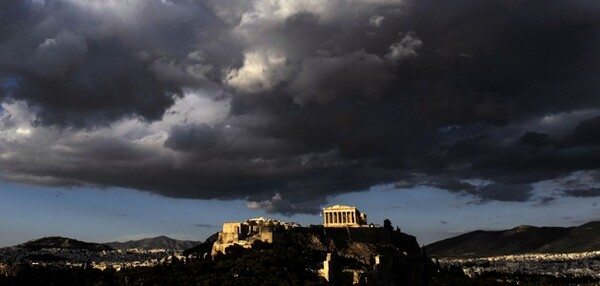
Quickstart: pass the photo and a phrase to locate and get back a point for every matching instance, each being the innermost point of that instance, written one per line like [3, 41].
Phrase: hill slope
[160, 242]
[64, 243]
[522, 239]
[202, 248]
[383, 256]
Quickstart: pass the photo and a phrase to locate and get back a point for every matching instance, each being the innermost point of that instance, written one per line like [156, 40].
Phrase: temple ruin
[266, 230]
[246, 233]
[343, 216]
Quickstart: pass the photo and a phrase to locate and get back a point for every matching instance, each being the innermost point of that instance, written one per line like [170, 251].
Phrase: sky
[124, 119]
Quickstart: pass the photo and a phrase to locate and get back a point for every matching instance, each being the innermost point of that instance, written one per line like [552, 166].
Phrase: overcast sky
[443, 116]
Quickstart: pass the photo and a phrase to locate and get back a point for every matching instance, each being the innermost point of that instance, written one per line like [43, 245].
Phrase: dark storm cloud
[478, 97]
[588, 132]
[86, 63]
[203, 225]
[586, 193]
[501, 192]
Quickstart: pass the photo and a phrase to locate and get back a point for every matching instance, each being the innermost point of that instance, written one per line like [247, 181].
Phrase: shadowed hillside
[381, 255]
[522, 239]
[64, 243]
[160, 242]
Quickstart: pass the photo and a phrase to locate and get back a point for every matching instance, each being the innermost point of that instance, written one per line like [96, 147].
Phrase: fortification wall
[231, 227]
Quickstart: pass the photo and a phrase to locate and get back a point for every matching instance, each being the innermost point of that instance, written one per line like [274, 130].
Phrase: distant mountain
[160, 242]
[522, 239]
[63, 243]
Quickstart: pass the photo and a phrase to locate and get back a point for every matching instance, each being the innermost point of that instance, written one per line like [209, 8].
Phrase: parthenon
[343, 216]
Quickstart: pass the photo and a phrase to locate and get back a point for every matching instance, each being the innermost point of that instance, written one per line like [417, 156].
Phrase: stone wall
[246, 233]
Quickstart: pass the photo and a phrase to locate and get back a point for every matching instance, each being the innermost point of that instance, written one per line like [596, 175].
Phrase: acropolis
[267, 230]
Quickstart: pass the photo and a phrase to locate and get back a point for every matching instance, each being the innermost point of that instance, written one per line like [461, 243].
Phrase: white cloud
[406, 47]
[376, 20]
[23, 131]
[267, 205]
[197, 106]
[255, 11]
[15, 122]
[262, 70]
[23, 143]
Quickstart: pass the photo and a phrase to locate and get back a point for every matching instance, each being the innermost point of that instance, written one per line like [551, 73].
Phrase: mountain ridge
[519, 240]
[159, 242]
[62, 243]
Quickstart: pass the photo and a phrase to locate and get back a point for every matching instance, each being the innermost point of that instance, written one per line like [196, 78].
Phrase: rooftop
[339, 207]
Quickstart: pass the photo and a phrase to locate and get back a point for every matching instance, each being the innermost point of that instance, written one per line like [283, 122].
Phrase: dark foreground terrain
[295, 260]
[279, 265]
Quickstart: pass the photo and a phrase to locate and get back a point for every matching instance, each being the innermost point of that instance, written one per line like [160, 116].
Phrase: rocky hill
[380, 254]
[203, 248]
[57, 242]
[160, 242]
[522, 239]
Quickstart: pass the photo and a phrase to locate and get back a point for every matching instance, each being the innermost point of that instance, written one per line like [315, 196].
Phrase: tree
[387, 224]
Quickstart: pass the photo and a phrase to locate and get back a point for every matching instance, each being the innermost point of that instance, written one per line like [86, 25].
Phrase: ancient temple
[343, 216]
